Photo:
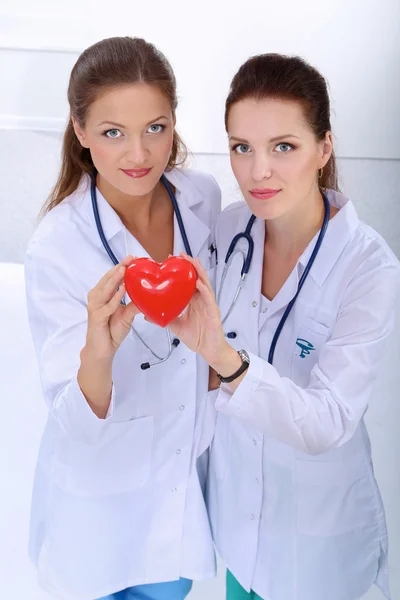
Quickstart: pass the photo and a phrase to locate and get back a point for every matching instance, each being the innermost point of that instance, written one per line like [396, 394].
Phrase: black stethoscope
[247, 258]
[171, 343]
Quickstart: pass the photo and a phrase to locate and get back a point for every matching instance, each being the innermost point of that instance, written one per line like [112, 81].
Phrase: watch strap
[245, 365]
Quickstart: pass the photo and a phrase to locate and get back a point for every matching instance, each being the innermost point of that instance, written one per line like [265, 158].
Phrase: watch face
[244, 356]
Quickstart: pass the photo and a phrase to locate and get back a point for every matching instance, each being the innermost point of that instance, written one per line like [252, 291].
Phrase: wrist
[228, 361]
[92, 356]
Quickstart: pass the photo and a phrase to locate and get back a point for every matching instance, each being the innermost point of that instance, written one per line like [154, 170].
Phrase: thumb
[131, 310]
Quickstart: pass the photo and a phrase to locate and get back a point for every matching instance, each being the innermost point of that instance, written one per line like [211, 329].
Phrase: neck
[289, 235]
[135, 212]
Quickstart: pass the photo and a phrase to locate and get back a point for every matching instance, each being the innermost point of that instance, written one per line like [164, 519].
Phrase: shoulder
[370, 257]
[234, 211]
[55, 228]
[371, 273]
[232, 218]
[373, 246]
[202, 184]
[199, 191]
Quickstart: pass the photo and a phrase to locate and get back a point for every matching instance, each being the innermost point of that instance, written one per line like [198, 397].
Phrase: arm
[72, 341]
[327, 412]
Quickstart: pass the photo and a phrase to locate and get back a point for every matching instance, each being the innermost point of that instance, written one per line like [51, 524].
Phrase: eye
[156, 128]
[283, 147]
[113, 133]
[241, 149]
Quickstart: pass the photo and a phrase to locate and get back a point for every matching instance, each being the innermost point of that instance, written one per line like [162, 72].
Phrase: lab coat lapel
[245, 315]
[197, 232]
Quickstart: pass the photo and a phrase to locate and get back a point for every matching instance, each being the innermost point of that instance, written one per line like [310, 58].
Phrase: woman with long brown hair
[118, 507]
[294, 505]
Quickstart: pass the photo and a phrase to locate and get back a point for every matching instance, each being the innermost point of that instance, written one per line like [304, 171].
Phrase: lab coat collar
[340, 231]
[187, 195]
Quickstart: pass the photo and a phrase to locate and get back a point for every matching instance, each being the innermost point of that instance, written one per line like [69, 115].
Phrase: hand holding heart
[160, 291]
[163, 291]
[200, 327]
[109, 322]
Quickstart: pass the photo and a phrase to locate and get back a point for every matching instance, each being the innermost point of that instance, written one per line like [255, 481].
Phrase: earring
[320, 172]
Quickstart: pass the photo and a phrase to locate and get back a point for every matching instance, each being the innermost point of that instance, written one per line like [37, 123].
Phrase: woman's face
[129, 131]
[274, 154]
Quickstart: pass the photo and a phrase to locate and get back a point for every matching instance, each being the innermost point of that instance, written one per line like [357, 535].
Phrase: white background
[355, 43]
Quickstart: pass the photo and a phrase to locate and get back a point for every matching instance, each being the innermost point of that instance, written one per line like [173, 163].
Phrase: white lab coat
[295, 509]
[116, 502]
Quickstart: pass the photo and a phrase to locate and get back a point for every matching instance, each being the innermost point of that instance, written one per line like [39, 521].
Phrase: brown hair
[287, 78]
[110, 63]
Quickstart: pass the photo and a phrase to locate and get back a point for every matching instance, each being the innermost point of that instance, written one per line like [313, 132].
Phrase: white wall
[354, 42]
[355, 45]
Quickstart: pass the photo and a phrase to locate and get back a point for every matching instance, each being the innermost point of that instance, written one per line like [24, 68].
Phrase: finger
[202, 274]
[106, 310]
[127, 260]
[106, 277]
[187, 257]
[130, 312]
[207, 296]
[99, 297]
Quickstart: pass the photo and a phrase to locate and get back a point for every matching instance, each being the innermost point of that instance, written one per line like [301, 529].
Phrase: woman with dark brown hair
[294, 505]
[118, 504]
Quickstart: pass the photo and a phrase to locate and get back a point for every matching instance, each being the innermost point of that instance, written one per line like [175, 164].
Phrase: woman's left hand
[200, 326]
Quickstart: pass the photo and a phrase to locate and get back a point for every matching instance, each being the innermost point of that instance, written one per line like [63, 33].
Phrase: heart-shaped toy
[161, 291]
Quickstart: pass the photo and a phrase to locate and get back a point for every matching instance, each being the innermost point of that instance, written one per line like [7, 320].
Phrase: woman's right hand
[109, 321]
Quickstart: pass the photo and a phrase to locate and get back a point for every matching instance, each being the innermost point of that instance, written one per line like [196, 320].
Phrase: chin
[266, 209]
[137, 187]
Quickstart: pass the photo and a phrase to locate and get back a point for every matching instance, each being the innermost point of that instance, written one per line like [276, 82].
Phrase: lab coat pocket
[118, 463]
[309, 342]
[333, 497]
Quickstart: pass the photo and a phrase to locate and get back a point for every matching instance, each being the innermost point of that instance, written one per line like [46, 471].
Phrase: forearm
[95, 382]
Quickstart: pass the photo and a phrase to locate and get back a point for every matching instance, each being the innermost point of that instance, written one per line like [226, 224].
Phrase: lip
[136, 173]
[264, 194]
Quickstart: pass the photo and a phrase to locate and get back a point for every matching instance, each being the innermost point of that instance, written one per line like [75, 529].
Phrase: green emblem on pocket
[305, 346]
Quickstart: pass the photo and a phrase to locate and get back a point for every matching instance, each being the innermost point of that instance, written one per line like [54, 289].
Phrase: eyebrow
[274, 139]
[123, 126]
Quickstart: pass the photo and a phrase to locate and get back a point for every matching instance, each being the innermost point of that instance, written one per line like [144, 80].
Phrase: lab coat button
[254, 442]
[182, 407]
[252, 517]
[254, 304]
[257, 480]
[174, 490]
[178, 451]
[183, 361]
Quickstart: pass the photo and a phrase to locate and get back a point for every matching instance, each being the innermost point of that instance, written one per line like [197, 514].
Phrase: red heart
[160, 291]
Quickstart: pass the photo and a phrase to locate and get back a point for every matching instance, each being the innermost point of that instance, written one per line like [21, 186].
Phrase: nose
[136, 153]
[261, 168]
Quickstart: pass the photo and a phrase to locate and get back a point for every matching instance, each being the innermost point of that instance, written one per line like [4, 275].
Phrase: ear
[79, 132]
[326, 149]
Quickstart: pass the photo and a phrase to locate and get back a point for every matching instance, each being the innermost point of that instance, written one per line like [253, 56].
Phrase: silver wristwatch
[245, 365]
